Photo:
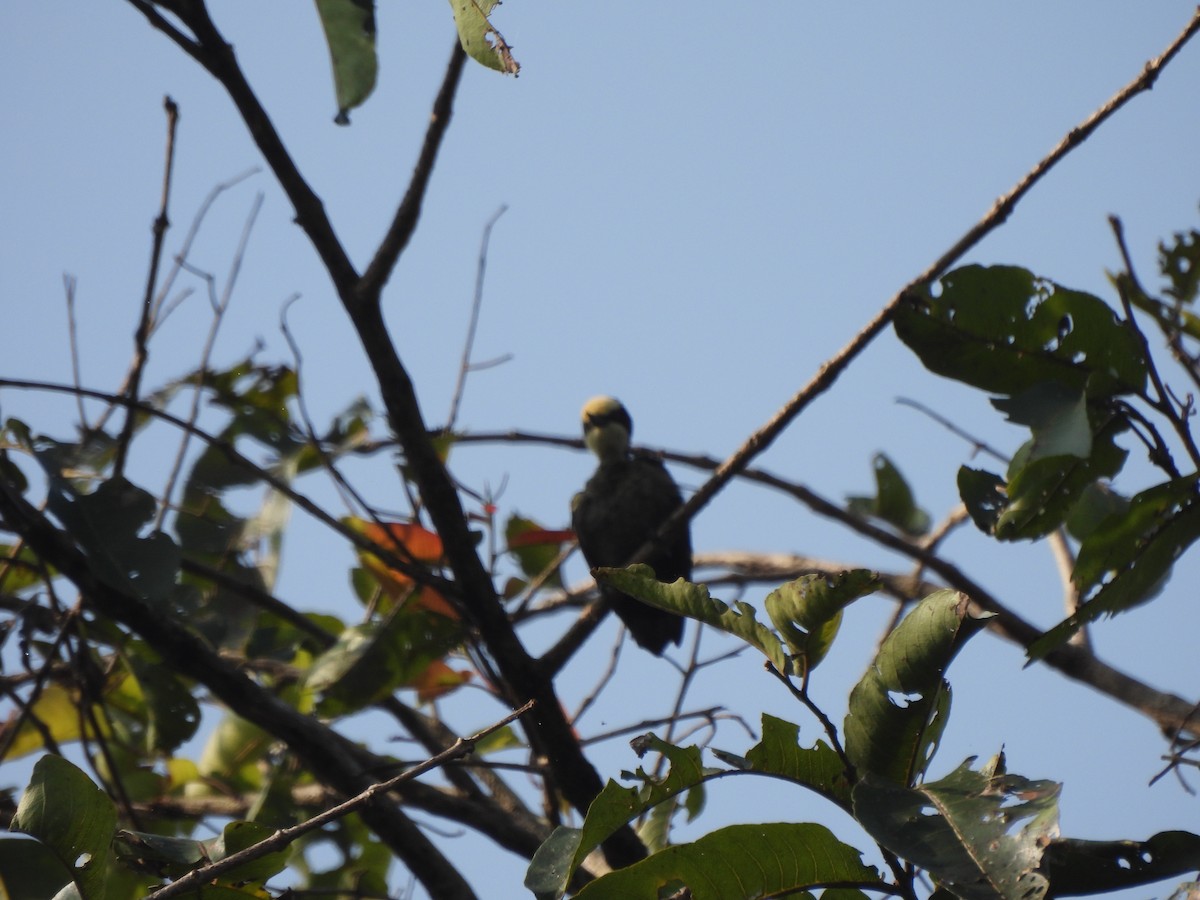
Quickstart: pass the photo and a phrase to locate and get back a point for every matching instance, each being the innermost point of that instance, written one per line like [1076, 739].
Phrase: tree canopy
[187, 721]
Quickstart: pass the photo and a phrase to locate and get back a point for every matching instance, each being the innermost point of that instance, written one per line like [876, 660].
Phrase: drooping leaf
[1098, 867]
[63, 809]
[981, 834]
[694, 601]
[1004, 330]
[899, 707]
[350, 32]
[1135, 549]
[771, 859]
[479, 38]
[808, 611]
[893, 501]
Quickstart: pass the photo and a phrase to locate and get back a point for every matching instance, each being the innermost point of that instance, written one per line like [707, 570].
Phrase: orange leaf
[407, 540]
[439, 679]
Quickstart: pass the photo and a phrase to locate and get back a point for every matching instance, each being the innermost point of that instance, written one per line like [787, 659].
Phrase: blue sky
[704, 203]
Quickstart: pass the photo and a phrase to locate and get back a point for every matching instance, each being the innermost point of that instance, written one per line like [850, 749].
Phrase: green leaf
[555, 862]
[1002, 329]
[899, 708]
[817, 768]
[350, 32]
[534, 547]
[1042, 492]
[893, 501]
[238, 836]
[772, 859]
[694, 601]
[1057, 416]
[808, 611]
[1097, 502]
[67, 812]
[1101, 867]
[479, 38]
[966, 829]
[30, 870]
[107, 524]
[371, 660]
[172, 713]
[1136, 550]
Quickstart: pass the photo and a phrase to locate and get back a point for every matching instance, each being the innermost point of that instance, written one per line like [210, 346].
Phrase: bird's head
[606, 428]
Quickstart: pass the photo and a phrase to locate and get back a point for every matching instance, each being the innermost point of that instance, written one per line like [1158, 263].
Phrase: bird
[620, 509]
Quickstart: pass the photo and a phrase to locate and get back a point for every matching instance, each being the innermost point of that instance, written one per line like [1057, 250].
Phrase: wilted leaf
[965, 830]
[479, 38]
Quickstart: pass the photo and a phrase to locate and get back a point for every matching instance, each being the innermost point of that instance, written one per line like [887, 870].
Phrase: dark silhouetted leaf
[893, 501]
[1003, 330]
[1076, 867]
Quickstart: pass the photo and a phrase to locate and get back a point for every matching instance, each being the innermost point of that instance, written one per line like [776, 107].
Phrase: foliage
[173, 632]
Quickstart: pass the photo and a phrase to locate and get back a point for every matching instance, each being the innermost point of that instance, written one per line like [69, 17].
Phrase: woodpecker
[622, 507]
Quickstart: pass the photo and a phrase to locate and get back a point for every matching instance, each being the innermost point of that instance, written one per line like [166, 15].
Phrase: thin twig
[285, 836]
[146, 320]
[476, 303]
[69, 285]
[980, 446]
[219, 308]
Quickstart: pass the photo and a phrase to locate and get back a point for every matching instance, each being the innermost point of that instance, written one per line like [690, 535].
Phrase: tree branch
[331, 758]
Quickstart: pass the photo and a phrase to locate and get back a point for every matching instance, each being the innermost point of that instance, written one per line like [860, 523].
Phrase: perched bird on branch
[622, 507]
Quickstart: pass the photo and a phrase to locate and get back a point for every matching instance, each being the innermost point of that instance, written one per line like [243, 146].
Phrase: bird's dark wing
[618, 511]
